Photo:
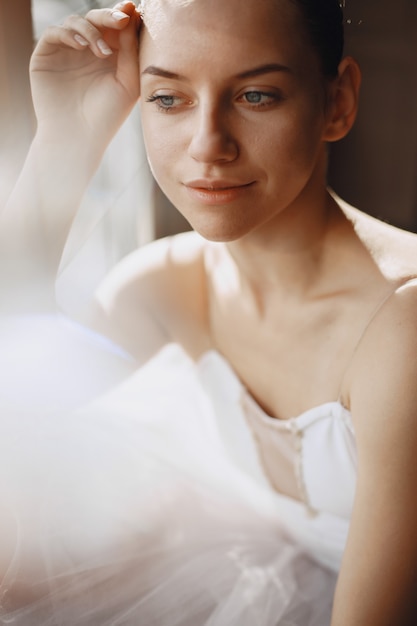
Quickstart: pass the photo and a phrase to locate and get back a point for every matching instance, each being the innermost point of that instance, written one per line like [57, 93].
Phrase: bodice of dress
[309, 462]
[311, 458]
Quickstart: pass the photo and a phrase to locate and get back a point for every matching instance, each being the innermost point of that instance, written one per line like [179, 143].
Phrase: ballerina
[258, 467]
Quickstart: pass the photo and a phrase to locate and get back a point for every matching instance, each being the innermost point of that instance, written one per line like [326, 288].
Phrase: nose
[212, 140]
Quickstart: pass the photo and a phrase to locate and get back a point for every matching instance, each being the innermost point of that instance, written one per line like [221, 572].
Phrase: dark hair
[324, 22]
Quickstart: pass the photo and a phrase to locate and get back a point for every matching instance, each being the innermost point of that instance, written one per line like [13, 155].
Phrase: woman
[298, 310]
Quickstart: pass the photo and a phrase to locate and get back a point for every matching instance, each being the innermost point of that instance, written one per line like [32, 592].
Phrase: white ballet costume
[149, 497]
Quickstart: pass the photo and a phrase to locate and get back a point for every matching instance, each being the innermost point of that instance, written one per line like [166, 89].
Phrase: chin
[220, 233]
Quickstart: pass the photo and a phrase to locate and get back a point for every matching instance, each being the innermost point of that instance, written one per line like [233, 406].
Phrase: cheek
[159, 147]
[299, 138]
[287, 153]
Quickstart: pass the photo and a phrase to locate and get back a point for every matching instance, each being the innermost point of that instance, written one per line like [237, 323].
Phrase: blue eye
[165, 102]
[258, 99]
[254, 97]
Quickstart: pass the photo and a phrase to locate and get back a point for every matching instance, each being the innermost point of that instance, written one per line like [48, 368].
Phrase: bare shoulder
[156, 262]
[165, 282]
[387, 352]
[382, 385]
[385, 364]
[394, 250]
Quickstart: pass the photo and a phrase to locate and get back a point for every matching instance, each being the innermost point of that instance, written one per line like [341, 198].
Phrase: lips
[216, 184]
[217, 192]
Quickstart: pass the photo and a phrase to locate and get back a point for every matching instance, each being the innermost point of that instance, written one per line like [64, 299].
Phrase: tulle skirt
[126, 510]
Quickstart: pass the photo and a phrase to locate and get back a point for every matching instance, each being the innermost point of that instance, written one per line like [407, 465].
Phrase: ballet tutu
[120, 503]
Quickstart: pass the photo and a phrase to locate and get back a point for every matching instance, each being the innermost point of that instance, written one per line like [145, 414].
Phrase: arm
[155, 295]
[377, 585]
[82, 93]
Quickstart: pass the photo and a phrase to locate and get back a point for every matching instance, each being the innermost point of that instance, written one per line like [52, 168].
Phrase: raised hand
[85, 80]
[85, 73]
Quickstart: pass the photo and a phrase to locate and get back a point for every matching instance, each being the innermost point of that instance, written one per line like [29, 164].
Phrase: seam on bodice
[296, 426]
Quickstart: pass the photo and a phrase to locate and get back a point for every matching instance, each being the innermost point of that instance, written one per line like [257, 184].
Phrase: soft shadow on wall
[375, 167]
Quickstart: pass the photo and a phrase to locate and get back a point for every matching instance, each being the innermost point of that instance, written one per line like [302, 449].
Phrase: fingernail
[81, 40]
[118, 15]
[103, 47]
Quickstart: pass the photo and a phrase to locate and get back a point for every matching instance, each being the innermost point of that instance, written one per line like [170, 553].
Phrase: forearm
[35, 222]
[85, 81]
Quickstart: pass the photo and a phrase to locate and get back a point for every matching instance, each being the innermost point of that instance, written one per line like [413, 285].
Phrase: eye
[258, 99]
[166, 102]
[254, 97]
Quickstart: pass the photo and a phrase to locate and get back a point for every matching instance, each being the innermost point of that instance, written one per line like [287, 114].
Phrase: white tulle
[121, 502]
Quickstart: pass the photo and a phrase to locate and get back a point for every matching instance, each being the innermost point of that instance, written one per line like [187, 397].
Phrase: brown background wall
[16, 115]
[375, 168]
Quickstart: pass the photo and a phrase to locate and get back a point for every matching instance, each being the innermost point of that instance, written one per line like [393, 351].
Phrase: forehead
[216, 31]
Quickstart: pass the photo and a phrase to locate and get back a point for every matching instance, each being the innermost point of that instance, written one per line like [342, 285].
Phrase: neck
[291, 255]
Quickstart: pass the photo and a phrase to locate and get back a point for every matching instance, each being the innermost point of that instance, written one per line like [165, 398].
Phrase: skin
[213, 131]
[279, 276]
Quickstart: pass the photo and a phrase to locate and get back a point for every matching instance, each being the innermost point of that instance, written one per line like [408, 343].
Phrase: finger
[81, 32]
[78, 32]
[109, 18]
[88, 30]
[117, 17]
[60, 36]
[129, 5]
[127, 71]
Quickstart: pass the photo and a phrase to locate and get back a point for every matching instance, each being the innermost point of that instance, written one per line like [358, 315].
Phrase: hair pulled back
[324, 22]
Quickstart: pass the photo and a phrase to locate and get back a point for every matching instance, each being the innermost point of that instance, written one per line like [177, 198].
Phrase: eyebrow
[265, 69]
[270, 68]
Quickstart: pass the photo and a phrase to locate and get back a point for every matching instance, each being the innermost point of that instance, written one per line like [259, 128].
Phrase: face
[233, 111]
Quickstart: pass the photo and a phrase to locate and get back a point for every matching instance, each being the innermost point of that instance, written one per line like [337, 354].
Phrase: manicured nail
[81, 40]
[103, 47]
[119, 15]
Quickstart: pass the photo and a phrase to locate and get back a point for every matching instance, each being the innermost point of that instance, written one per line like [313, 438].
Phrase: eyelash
[272, 98]
[158, 101]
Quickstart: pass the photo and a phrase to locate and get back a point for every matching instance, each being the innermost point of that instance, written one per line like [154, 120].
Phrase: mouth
[216, 185]
[214, 192]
